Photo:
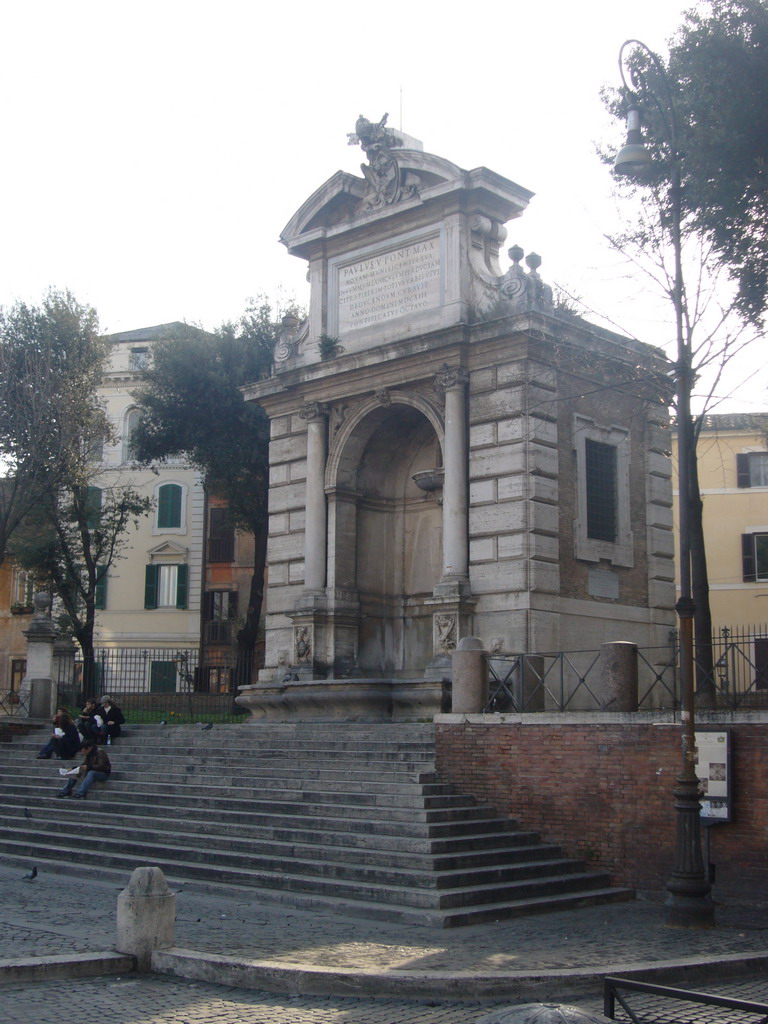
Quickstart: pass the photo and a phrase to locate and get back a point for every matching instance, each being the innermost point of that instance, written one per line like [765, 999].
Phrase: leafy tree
[192, 406]
[51, 361]
[713, 322]
[719, 61]
[53, 428]
[70, 541]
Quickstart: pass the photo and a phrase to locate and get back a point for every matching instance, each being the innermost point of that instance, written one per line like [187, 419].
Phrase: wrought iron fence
[660, 1003]
[571, 680]
[12, 703]
[739, 674]
[160, 684]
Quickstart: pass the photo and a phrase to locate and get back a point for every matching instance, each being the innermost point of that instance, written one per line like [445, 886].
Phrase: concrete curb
[301, 979]
[69, 966]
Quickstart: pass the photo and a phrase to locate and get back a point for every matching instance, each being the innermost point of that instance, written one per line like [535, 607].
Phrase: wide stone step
[433, 824]
[373, 888]
[197, 845]
[425, 873]
[526, 906]
[233, 762]
[349, 817]
[185, 738]
[438, 839]
[196, 783]
[256, 807]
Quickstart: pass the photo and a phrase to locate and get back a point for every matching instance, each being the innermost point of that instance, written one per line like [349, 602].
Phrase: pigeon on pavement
[27, 812]
[208, 726]
[30, 875]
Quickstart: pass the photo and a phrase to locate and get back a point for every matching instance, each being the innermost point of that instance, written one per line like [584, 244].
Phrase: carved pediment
[345, 200]
[168, 551]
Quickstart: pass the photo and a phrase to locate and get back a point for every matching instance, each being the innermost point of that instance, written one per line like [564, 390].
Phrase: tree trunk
[706, 688]
[247, 636]
[84, 636]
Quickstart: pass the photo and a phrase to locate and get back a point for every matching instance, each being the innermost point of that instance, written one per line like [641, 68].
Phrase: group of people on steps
[97, 725]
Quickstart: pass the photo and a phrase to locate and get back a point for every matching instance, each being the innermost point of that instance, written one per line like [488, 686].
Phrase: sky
[153, 152]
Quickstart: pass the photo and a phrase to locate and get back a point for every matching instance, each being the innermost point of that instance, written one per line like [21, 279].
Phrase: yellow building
[733, 478]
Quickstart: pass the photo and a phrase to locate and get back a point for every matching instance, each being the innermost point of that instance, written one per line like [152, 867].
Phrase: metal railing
[12, 703]
[615, 991]
[160, 684]
[571, 680]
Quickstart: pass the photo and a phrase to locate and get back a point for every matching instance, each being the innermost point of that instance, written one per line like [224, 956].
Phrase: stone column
[38, 687]
[469, 693]
[619, 690]
[455, 569]
[315, 528]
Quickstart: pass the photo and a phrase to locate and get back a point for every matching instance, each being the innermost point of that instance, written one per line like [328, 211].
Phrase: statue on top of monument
[386, 183]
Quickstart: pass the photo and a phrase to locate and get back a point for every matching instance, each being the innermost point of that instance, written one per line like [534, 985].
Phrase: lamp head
[633, 159]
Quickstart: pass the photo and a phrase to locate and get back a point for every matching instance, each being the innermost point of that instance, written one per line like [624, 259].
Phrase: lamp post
[688, 903]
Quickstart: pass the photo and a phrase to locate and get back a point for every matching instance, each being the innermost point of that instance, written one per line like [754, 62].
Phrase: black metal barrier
[612, 995]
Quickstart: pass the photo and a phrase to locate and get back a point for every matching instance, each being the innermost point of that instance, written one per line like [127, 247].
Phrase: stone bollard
[470, 676]
[146, 916]
[618, 670]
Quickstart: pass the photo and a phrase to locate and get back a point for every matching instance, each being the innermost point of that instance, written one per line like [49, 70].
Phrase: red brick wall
[604, 792]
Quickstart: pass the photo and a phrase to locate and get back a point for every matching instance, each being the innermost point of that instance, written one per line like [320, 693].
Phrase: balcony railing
[221, 549]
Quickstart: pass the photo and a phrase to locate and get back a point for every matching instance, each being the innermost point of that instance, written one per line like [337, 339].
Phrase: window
[100, 596]
[169, 507]
[93, 508]
[602, 525]
[752, 469]
[219, 613]
[22, 588]
[600, 471]
[131, 422]
[221, 536]
[18, 671]
[139, 359]
[754, 556]
[165, 586]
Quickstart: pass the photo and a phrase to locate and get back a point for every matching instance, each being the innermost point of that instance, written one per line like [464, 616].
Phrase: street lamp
[688, 903]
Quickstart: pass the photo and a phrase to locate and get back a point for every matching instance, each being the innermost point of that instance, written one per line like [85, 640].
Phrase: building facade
[733, 478]
[449, 457]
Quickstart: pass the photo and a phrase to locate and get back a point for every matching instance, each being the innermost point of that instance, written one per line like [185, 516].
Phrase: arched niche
[385, 532]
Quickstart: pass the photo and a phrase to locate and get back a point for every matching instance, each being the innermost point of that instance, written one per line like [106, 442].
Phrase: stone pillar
[38, 687]
[618, 673]
[315, 528]
[469, 692]
[455, 483]
[146, 916]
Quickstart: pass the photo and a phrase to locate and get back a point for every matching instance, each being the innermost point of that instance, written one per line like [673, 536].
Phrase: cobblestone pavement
[59, 914]
[48, 916]
[160, 1000]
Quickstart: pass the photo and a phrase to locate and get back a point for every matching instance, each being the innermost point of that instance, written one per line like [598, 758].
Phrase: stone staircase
[349, 817]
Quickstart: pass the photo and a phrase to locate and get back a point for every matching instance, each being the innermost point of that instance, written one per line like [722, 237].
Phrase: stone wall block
[287, 497]
[287, 449]
[481, 435]
[496, 519]
[146, 916]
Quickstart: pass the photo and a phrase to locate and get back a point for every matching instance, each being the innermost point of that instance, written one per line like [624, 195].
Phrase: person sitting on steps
[91, 722]
[113, 718]
[95, 768]
[65, 740]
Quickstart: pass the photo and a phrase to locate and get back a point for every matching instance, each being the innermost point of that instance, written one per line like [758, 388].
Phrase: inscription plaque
[389, 284]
